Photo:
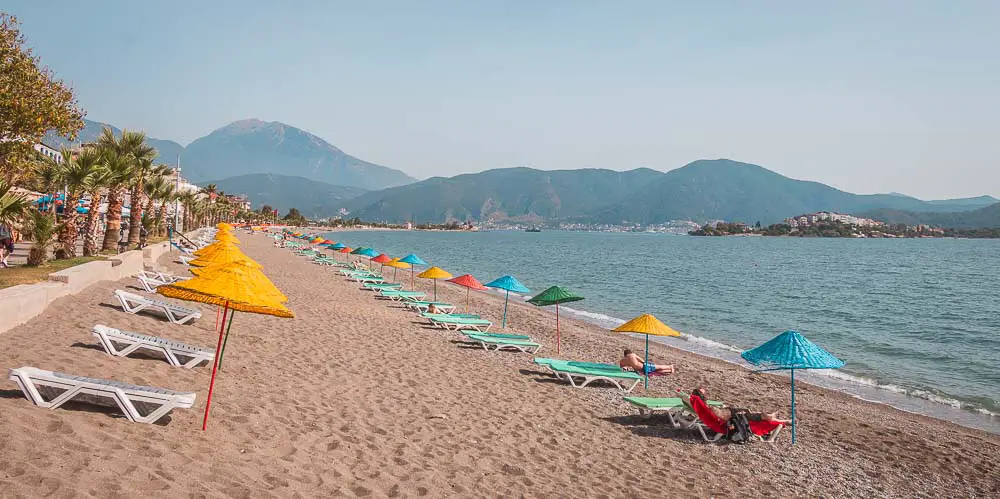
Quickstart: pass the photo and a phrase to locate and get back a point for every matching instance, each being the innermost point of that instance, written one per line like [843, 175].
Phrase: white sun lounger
[141, 404]
[150, 283]
[162, 276]
[133, 304]
[174, 351]
[184, 259]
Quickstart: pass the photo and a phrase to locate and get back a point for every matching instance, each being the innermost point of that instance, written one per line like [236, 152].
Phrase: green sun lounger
[501, 336]
[428, 315]
[422, 306]
[496, 344]
[581, 374]
[376, 286]
[456, 323]
[397, 295]
[675, 408]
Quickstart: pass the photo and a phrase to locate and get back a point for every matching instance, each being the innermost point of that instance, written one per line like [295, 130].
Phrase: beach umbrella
[226, 237]
[338, 246]
[414, 261]
[326, 242]
[508, 284]
[647, 325]
[224, 254]
[235, 287]
[554, 296]
[383, 258]
[347, 250]
[790, 351]
[223, 226]
[211, 248]
[434, 273]
[396, 264]
[469, 283]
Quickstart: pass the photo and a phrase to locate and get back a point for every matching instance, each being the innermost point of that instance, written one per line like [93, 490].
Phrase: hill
[168, 150]
[723, 189]
[313, 199]
[502, 194]
[254, 146]
[988, 217]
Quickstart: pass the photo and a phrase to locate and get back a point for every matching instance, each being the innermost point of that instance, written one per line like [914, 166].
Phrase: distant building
[48, 152]
[810, 219]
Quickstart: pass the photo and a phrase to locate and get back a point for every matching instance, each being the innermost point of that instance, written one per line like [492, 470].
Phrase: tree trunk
[135, 215]
[149, 205]
[68, 232]
[161, 218]
[90, 226]
[114, 217]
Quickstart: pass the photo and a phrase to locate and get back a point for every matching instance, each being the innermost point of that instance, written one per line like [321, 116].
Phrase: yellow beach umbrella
[224, 254]
[648, 325]
[434, 273]
[226, 237]
[396, 264]
[211, 248]
[223, 226]
[236, 287]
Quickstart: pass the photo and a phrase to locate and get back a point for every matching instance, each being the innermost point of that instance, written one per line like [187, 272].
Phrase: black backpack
[739, 428]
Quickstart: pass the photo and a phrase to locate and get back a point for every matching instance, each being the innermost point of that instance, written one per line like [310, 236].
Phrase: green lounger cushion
[487, 339]
[662, 402]
[500, 336]
[457, 320]
[429, 315]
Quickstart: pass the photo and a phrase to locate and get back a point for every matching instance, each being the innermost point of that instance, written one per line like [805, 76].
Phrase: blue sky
[870, 96]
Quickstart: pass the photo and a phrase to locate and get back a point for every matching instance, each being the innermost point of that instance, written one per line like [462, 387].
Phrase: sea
[916, 320]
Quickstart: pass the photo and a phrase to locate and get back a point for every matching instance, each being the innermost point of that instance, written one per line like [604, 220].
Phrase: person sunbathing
[725, 413]
[632, 362]
[432, 309]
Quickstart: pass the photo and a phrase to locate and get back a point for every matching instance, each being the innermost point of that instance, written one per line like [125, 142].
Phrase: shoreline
[356, 396]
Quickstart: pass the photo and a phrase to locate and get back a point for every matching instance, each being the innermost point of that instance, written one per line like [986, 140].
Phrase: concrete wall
[19, 304]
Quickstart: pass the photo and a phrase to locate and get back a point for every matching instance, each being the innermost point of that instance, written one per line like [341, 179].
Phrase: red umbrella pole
[558, 346]
[467, 292]
[215, 368]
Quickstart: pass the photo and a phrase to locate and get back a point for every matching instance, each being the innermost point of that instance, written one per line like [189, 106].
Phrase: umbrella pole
[793, 406]
[558, 345]
[215, 367]
[507, 297]
[435, 290]
[226, 341]
[468, 291]
[645, 363]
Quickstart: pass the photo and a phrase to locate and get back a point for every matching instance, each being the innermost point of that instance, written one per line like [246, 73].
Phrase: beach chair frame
[133, 304]
[131, 399]
[173, 351]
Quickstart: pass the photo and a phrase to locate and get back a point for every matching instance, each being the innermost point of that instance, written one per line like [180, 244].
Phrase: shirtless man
[633, 362]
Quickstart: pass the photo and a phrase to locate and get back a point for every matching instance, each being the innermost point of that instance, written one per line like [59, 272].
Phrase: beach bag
[739, 427]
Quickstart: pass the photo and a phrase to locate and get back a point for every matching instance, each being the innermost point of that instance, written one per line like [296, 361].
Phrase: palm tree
[134, 145]
[46, 179]
[167, 194]
[74, 173]
[119, 169]
[12, 206]
[211, 190]
[42, 227]
[152, 188]
[95, 186]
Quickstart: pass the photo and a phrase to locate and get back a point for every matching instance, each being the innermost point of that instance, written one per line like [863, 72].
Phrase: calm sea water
[916, 320]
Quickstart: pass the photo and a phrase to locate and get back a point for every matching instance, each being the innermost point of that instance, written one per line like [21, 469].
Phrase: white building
[48, 152]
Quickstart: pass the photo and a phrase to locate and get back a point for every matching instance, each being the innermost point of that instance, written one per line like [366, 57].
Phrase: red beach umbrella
[469, 283]
[383, 258]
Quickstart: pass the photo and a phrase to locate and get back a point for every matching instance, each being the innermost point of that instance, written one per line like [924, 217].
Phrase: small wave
[599, 319]
[698, 340]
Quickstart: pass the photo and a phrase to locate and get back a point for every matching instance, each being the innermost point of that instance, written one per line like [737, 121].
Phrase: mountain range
[702, 191]
[254, 146]
[286, 167]
[314, 199]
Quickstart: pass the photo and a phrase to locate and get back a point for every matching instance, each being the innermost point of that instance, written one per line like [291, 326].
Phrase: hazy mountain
[253, 146]
[502, 194]
[701, 191]
[988, 217]
[729, 190]
[168, 150]
[959, 204]
[313, 198]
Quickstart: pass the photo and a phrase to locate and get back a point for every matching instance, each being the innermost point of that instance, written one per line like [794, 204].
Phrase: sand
[356, 397]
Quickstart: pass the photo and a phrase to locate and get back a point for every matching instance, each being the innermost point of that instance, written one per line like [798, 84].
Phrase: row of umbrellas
[227, 278]
[787, 351]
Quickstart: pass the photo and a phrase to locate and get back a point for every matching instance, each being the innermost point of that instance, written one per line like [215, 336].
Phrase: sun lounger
[133, 303]
[581, 374]
[428, 315]
[490, 342]
[162, 276]
[369, 279]
[174, 351]
[456, 323]
[422, 306]
[379, 286]
[397, 295]
[141, 404]
[499, 336]
[765, 431]
[673, 407]
[150, 284]
[185, 260]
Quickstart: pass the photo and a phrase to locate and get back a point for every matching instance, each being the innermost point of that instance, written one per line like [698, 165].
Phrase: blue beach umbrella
[507, 283]
[413, 260]
[790, 350]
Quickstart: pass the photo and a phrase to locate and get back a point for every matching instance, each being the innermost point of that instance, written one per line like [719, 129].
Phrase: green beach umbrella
[554, 296]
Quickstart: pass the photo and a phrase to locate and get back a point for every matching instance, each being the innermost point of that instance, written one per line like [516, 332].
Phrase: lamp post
[177, 202]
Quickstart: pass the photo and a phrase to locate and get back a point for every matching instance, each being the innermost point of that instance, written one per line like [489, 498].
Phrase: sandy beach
[356, 397]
